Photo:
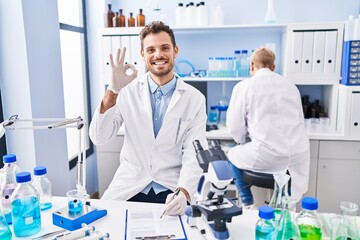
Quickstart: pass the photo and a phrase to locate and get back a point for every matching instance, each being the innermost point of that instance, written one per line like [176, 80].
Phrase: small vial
[43, 185]
[265, 226]
[213, 115]
[131, 20]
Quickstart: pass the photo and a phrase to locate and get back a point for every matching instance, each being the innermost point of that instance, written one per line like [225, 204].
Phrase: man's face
[159, 54]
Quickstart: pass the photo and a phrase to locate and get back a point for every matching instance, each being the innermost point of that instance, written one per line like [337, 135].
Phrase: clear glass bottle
[140, 19]
[25, 207]
[131, 20]
[116, 20]
[309, 223]
[213, 115]
[108, 17]
[8, 184]
[280, 191]
[347, 229]
[287, 228]
[265, 226]
[122, 18]
[270, 16]
[5, 232]
[43, 185]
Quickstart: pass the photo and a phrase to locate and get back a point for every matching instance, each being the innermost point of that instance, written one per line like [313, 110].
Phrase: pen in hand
[172, 198]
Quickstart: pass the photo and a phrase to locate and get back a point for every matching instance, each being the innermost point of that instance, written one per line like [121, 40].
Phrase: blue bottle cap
[213, 108]
[237, 51]
[23, 177]
[266, 212]
[222, 108]
[40, 170]
[309, 203]
[9, 158]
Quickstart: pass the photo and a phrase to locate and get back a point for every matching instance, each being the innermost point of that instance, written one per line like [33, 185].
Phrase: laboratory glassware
[25, 207]
[280, 191]
[8, 184]
[265, 226]
[346, 227]
[108, 17]
[309, 223]
[131, 20]
[140, 19]
[287, 228]
[43, 185]
[270, 16]
[5, 232]
[122, 18]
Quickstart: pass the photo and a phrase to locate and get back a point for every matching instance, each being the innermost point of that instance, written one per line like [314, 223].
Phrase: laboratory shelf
[212, 79]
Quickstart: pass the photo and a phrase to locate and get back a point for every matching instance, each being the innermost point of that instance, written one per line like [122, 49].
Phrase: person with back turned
[265, 117]
[162, 115]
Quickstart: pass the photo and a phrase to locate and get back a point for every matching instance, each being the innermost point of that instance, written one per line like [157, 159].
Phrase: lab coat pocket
[173, 131]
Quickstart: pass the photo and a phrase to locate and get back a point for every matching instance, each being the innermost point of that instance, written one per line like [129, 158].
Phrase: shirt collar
[165, 89]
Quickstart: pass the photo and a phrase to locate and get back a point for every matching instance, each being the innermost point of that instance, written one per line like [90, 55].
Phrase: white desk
[242, 227]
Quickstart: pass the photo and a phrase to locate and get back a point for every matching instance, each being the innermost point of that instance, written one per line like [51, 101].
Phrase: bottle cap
[213, 107]
[266, 212]
[40, 170]
[222, 108]
[309, 203]
[23, 177]
[180, 5]
[244, 51]
[10, 158]
[237, 51]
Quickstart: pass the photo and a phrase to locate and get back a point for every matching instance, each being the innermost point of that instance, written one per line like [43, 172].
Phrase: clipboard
[151, 227]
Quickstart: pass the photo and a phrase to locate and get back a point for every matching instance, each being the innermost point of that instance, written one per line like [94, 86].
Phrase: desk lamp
[65, 217]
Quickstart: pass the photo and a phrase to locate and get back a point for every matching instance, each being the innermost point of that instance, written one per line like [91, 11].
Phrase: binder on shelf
[115, 44]
[307, 56]
[355, 114]
[106, 50]
[125, 42]
[136, 58]
[330, 51]
[297, 49]
[319, 51]
[350, 74]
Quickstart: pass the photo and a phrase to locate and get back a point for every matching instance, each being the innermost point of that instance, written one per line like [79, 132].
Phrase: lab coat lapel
[180, 87]
[145, 98]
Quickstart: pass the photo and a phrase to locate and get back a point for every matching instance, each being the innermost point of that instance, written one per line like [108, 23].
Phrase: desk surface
[242, 226]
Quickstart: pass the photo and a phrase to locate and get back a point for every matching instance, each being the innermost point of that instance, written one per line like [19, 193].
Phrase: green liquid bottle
[308, 221]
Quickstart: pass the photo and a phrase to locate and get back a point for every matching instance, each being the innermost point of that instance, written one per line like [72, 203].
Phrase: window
[74, 57]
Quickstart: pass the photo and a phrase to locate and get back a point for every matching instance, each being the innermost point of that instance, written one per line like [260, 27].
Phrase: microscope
[211, 210]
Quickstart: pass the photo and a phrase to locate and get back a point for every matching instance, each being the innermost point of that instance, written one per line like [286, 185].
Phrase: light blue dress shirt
[160, 98]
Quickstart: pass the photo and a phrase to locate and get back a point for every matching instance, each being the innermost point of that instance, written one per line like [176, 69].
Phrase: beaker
[287, 228]
[280, 190]
[344, 227]
[74, 201]
[5, 232]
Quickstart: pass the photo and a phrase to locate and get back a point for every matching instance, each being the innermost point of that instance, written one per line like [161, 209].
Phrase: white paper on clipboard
[146, 222]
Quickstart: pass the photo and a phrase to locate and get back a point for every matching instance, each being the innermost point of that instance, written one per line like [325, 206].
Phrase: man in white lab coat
[265, 118]
[162, 115]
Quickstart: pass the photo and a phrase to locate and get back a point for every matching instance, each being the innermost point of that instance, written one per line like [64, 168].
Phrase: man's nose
[158, 53]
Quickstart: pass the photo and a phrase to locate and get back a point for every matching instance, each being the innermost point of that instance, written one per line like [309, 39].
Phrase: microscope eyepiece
[197, 145]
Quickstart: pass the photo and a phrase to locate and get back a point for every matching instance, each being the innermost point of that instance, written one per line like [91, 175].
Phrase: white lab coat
[265, 117]
[170, 158]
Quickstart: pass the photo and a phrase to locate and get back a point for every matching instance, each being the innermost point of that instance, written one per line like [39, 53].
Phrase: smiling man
[162, 115]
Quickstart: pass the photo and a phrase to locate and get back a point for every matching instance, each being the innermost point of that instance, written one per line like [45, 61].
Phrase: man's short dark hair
[156, 27]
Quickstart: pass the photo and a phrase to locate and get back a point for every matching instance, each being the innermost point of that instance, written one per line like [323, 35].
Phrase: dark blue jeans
[243, 188]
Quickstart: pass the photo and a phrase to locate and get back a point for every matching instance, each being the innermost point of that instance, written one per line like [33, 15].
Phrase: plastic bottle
[357, 28]
[131, 20]
[5, 232]
[270, 16]
[122, 18]
[43, 185]
[244, 66]
[265, 226]
[8, 184]
[237, 57]
[201, 14]
[180, 12]
[218, 16]
[349, 29]
[308, 221]
[280, 191]
[213, 115]
[25, 207]
[190, 14]
[287, 228]
[140, 19]
[108, 17]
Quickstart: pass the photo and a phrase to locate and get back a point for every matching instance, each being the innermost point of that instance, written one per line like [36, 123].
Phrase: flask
[180, 12]
[122, 18]
[213, 115]
[25, 207]
[116, 20]
[5, 232]
[347, 228]
[270, 12]
[287, 228]
[131, 20]
[280, 191]
[140, 19]
[265, 226]
[308, 220]
[201, 14]
[8, 184]
[43, 186]
[349, 29]
[108, 17]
